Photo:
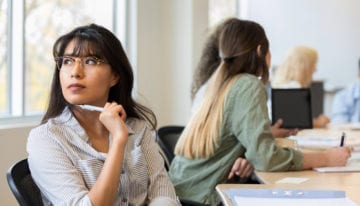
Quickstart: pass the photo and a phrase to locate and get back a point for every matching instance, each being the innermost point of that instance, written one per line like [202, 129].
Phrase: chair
[317, 98]
[22, 185]
[191, 203]
[167, 138]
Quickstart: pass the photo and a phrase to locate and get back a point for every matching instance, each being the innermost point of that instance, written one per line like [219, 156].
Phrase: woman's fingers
[241, 168]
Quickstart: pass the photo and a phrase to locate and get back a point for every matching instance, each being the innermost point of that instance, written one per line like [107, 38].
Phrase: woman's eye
[90, 60]
[68, 61]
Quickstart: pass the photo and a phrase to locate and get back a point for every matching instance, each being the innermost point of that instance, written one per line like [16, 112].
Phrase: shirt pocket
[90, 170]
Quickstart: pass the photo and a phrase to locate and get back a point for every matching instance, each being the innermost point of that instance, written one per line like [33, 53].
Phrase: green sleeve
[246, 117]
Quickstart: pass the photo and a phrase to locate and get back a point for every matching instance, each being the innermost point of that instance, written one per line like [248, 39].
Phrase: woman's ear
[258, 50]
[114, 80]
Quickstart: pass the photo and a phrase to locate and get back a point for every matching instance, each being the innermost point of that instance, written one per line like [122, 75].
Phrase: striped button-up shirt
[65, 166]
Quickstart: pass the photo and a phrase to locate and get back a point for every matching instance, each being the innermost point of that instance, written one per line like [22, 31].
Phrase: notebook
[285, 197]
[293, 106]
[338, 169]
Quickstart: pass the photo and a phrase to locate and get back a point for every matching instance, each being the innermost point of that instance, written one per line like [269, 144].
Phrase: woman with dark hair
[209, 60]
[84, 157]
[232, 121]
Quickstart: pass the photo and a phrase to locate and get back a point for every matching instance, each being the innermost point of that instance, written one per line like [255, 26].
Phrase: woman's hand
[280, 132]
[241, 168]
[104, 191]
[113, 117]
[337, 156]
[321, 121]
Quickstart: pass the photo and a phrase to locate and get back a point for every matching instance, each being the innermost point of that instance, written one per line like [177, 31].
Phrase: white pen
[90, 107]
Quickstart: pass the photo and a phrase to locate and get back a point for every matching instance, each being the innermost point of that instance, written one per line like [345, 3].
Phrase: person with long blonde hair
[208, 63]
[232, 121]
[296, 71]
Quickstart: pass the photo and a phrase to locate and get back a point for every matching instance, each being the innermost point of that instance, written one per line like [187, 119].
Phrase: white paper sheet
[241, 201]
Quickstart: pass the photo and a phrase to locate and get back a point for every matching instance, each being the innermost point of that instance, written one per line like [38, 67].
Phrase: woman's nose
[78, 70]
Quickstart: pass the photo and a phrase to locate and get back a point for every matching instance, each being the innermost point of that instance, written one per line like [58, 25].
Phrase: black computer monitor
[293, 106]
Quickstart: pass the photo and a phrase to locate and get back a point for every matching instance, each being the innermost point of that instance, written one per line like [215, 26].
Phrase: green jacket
[245, 132]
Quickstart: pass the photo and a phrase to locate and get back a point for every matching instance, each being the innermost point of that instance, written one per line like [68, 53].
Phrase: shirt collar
[68, 119]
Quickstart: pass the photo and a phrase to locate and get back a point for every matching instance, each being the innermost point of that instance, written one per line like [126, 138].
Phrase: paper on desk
[323, 142]
[338, 169]
[316, 141]
[292, 180]
[346, 126]
[240, 201]
[282, 197]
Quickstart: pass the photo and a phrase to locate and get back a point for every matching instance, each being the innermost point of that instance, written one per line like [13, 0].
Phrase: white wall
[12, 149]
[330, 26]
[168, 46]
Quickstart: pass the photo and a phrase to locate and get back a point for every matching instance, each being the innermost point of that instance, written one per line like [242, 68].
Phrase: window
[34, 27]
[3, 57]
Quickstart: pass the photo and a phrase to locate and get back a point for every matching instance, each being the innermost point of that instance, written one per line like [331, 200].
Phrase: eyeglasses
[67, 63]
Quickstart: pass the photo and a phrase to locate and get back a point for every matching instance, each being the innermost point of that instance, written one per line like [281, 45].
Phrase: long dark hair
[209, 60]
[100, 42]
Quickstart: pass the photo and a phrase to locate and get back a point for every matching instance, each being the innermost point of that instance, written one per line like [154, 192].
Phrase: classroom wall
[12, 149]
[168, 47]
[330, 26]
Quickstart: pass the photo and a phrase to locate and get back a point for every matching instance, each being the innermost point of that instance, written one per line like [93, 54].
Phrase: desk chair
[317, 98]
[167, 138]
[22, 185]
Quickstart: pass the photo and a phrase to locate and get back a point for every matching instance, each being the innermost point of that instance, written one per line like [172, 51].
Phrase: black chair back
[22, 185]
[167, 138]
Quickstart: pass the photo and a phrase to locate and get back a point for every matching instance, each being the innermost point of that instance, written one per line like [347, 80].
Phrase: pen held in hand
[91, 108]
[342, 140]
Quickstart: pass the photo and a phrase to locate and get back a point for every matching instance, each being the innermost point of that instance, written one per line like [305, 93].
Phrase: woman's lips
[76, 87]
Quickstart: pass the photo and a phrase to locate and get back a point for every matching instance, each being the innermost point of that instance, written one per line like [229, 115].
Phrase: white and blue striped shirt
[65, 166]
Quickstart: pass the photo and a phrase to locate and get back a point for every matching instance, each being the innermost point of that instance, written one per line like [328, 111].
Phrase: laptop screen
[293, 106]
